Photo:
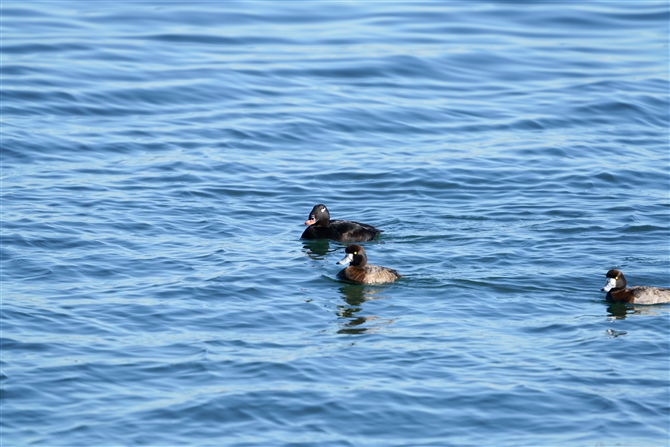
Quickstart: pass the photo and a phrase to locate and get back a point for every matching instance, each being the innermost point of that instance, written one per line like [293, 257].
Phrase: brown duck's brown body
[359, 271]
[370, 274]
[636, 294]
[640, 295]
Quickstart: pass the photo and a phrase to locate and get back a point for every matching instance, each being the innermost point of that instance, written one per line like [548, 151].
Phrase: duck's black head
[319, 216]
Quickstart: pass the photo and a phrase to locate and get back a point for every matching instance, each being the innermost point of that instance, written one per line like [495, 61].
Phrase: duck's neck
[323, 222]
[359, 261]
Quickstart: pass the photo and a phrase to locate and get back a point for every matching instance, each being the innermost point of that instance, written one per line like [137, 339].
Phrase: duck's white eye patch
[323, 210]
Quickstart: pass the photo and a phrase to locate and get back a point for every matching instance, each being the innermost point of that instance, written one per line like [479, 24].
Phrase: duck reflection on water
[355, 295]
[317, 249]
[619, 311]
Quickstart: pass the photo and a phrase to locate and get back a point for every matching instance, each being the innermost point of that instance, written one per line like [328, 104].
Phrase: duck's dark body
[321, 227]
[341, 231]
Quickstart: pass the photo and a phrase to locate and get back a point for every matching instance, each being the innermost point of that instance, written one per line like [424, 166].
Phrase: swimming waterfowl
[359, 271]
[617, 291]
[321, 227]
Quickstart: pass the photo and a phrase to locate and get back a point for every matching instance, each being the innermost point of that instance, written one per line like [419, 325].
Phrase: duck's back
[649, 295]
[342, 231]
[348, 231]
[370, 274]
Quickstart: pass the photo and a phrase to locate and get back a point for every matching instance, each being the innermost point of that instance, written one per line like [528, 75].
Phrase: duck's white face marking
[347, 259]
[611, 282]
[323, 210]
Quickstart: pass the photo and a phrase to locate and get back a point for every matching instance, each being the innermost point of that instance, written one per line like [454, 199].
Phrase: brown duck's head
[615, 280]
[355, 256]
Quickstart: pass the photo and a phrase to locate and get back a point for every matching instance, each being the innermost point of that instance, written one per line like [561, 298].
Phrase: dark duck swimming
[360, 271]
[321, 227]
[617, 291]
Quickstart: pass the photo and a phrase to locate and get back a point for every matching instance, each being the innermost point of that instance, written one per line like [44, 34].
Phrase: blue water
[159, 160]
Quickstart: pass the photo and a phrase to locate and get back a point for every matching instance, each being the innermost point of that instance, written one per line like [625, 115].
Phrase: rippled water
[158, 163]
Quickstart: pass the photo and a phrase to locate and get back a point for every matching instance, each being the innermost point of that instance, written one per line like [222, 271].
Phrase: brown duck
[617, 291]
[360, 271]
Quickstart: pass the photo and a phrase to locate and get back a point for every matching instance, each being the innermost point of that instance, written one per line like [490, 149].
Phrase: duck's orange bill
[310, 222]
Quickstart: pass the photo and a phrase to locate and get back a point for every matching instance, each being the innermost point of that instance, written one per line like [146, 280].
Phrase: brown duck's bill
[310, 222]
[347, 258]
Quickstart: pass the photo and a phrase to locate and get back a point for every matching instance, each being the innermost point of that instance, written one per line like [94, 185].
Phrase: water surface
[158, 163]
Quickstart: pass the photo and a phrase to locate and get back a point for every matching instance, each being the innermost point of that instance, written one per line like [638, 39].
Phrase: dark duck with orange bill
[321, 227]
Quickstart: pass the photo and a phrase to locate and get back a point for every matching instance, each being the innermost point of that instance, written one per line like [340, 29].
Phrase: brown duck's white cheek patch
[611, 282]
